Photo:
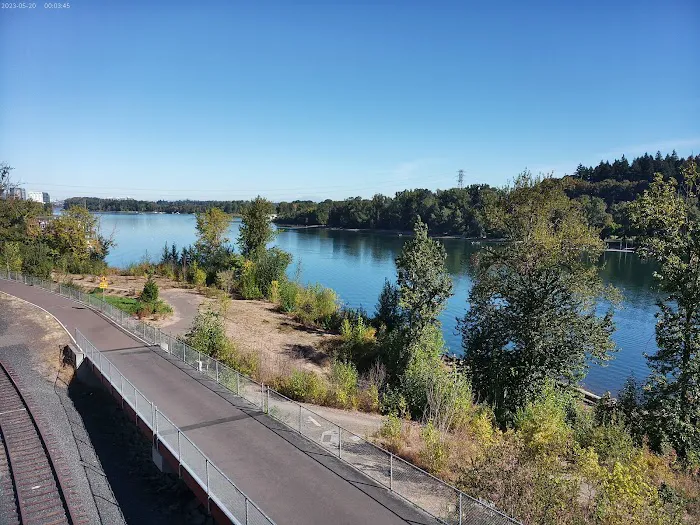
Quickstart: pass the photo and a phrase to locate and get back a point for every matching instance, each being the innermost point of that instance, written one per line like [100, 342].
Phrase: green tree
[411, 348]
[11, 257]
[149, 294]
[256, 230]
[532, 315]
[75, 233]
[422, 278]
[668, 217]
[212, 226]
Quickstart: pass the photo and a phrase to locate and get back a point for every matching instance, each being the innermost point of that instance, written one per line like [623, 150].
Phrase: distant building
[35, 196]
[46, 198]
[15, 192]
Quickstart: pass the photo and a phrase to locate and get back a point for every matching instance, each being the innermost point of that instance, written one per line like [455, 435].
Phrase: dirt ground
[51, 337]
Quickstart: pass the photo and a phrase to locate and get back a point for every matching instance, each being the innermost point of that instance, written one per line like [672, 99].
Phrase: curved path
[291, 479]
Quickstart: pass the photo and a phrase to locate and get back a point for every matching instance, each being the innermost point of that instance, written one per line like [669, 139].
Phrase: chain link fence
[217, 486]
[434, 496]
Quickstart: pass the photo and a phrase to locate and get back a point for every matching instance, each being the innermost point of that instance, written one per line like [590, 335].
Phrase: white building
[35, 196]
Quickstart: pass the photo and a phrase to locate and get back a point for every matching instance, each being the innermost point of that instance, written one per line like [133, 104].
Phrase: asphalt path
[292, 480]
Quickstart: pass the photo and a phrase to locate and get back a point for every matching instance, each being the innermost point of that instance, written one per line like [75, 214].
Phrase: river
[355, 265]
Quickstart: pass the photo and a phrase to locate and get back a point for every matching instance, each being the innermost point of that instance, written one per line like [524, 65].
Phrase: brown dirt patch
[51, 336]
[282, 343]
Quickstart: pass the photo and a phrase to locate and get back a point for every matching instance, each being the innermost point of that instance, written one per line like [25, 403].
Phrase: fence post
[246, 511]
[268, 400]
[262, 397]
[136, 408]
[391, 472]
[206, 470]
[460, 507]
[300, 419]
[217, 371]
[340, 442]
[238, 383]
[179, 456]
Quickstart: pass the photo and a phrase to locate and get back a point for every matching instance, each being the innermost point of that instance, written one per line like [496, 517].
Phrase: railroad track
[39, 480]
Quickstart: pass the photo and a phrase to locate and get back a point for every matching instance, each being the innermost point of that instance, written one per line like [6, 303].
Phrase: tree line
[95, 204]
[603, 192]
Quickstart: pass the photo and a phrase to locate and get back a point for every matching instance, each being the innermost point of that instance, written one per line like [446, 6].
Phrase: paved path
[290, 478]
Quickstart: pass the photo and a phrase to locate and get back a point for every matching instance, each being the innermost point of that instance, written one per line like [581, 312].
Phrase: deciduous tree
[256, 229]
[533, 307]
[669, 218]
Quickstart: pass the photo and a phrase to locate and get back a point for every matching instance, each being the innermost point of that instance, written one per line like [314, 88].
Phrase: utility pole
[460, 179]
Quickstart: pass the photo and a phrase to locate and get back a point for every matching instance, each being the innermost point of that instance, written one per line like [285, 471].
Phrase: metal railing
[218, 487]
[439, 499]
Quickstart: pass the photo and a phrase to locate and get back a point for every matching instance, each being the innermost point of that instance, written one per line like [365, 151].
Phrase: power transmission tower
[460, 179]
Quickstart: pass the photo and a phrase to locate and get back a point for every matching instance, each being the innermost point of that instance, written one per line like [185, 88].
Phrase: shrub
[270, 266]
[315, 304]
[305, 386]
[368, 399]
[343, 385]
[612, 442]
[358, 342]
[275, 292]
[392, 432]
[226, 280]
[435, 451]
[36, 260]
[208, 335]
[196, 275]
[394, 402]
[10, 257]
[247, 285]
[542, 423]
[288, 291]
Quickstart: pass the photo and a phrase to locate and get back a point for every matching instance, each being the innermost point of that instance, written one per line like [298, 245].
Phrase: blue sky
[333, 99]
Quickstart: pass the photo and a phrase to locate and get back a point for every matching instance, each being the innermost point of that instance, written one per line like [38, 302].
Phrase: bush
[305, 386]
[394, 402]
[208, 335]
[275, 292]
[358, 342]
[343, 385]
[435, 452]
[37, 260]
[10, 257]
[247, 285]
[392, 432]
[288, 291]
[197, 276]
[368, 399]
[226, 280]
[542, 424]
[270, 266]
[315, 304]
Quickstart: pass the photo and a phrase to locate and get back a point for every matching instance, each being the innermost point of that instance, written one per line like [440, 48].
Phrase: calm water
[356, 264]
